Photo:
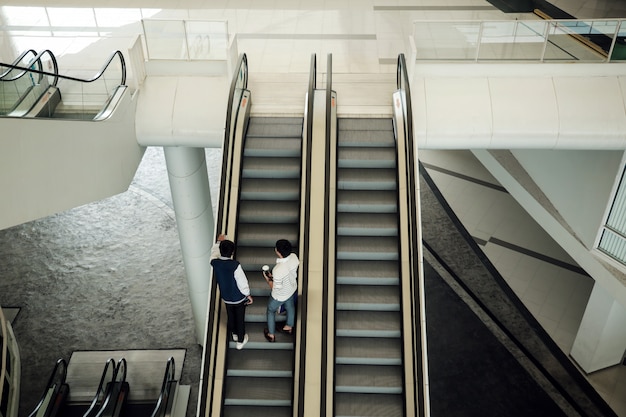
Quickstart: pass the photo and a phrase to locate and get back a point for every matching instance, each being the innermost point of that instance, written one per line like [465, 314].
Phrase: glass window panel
[165, 39]
[61, 16]
[25, 16]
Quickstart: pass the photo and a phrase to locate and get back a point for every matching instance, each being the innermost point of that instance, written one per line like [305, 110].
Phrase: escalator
[26, 93]
[260, 195]
[28, 89]
[368, 355]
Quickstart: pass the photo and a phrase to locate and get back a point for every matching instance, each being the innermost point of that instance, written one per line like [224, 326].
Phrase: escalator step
[367, 201]
[368, 379]
[368, 272]
[368, 323]
[367, 224]
[256, 338]
[274, 168]
[273, 147]
[382, 248]
[366, 179]
[251, 211]
[262, 189]
[274, 127]
[269, 392]
[365, 124]
[368, 351]
[258, 363]
[354, 157]
[249, 411]
[255, 234]
[252, 258]
[368, 298]
[366, 405]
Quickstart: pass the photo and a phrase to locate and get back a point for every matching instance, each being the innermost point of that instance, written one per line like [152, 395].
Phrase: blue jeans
[273, 306]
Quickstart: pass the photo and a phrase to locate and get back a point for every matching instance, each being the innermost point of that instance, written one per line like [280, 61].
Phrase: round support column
[191, 195]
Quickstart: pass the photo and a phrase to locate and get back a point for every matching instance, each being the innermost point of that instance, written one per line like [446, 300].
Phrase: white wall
[577, 183]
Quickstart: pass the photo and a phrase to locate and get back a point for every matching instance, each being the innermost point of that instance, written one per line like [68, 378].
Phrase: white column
[601, 338]
[191, 195]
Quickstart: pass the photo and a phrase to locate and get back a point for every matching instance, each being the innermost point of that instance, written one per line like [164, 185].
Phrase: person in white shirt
[283, 281]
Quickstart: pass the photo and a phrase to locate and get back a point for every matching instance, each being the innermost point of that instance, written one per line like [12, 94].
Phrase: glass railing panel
[593, 40]
[513, 40]
[446, 40]
[186, 39]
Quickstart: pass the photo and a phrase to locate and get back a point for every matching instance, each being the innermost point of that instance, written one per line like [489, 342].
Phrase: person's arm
[269, 279]
[242, 281]
[215, 249]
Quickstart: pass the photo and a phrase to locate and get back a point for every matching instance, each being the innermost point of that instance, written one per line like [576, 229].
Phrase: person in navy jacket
[234, 288]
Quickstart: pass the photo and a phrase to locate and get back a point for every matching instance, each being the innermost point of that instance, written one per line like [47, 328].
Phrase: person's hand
[250, 300]
[267, 275]
[221, 237]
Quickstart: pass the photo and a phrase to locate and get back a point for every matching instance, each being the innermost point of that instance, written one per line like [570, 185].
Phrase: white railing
[613, 235]
[596, 40]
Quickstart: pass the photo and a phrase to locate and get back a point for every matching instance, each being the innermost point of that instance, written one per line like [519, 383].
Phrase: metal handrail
[16, 62]
[170, 372]
[100, 391]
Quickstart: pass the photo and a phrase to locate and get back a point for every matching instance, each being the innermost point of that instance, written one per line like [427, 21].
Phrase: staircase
[259, 378]
[368, 352]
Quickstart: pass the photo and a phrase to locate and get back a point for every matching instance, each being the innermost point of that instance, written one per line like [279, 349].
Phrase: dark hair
[227, 247]
[283, 247]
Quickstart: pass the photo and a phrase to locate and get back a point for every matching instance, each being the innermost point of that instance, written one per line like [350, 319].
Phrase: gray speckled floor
[104, 276]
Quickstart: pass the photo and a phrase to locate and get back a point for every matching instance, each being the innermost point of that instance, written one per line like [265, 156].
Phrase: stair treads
[258, 391]
[364, 224]
[262, 211]
[382, 201]
[266, 167]
[262, 234]
[248, 361]
[368, 378]
[369, 294]
[366, 405]
[374, 321]
[364, 348]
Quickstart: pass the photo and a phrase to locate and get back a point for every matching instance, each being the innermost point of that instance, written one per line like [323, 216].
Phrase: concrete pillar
[601, 338]
[191, 195]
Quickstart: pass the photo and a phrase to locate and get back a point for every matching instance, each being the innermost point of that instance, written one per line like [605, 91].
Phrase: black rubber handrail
[168, 377]
[239, 81]
[413, 212]
[17, 62]
[57, 378]
[304, 257]
[83, 80]
[101, 391]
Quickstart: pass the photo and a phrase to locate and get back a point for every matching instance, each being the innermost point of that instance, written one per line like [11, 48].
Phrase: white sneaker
[242, 344]
[235, 338]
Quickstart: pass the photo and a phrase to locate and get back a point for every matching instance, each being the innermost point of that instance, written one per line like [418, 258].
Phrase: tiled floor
[365, 37]
[541, 274]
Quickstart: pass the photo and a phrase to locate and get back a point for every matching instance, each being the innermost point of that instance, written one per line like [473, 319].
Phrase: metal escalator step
[252, 258]
[269, 392]
[366, 138]
[369, 379]
[367, 224]
[249, 411]
[263, 189]
[275, 127]
[382, 248]
[272, 146]
[254, 167]
[368, 298]
[368, 323]
[364, 124]
[368, 351]
[254, 362]
[368, 405]
[251, 211]
[366, 179]
[254, 234]
[256, 338]
[368, 272]
[360, 157]
[367, 201]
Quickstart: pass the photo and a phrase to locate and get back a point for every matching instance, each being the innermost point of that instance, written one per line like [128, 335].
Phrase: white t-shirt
[285, 276]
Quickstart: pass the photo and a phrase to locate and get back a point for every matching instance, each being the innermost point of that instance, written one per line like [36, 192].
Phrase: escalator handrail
[110, 365]
[222, 213]
[70, 78]
[304, 260]
[168, 377]
[37, 59]
[114, 387]
[414, 237]
[227, 157]
[59, 371]
[16, 62]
